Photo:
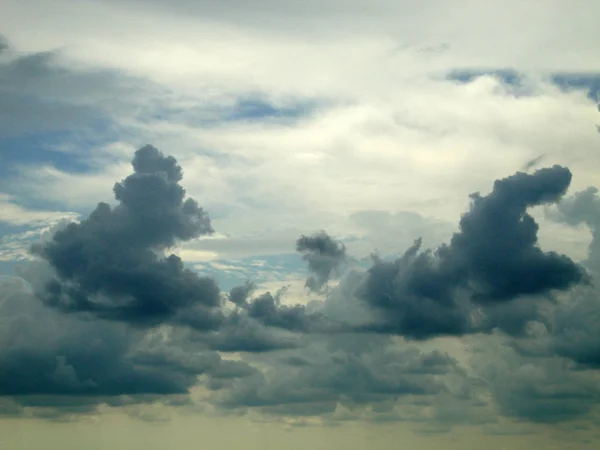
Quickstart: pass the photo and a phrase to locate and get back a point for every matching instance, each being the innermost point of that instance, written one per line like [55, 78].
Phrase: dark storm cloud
[323, 255]
[496, 250]
[493, 259]
[53, 360]
[414, 299]
[111, 264]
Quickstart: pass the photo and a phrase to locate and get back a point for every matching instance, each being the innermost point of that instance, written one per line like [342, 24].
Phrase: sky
[310, 224]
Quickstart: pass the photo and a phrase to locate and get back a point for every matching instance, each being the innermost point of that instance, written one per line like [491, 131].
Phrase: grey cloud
[323, 255]
[583, 208]
[52, 360]
[46, 76]
[535, 389]
[493, 259]
[533, 162]
[40, 92]
[268, 310]
[571, 328]
[411, 298]
[110, 265]
[555, 400]
[496, 249]
[4, 44]
[240, 333]
[328, 377]
[239, 294]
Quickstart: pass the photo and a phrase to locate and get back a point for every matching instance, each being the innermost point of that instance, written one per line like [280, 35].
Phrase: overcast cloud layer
[367, 223]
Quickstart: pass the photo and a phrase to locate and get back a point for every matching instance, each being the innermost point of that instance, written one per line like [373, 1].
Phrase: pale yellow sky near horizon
[118, 432]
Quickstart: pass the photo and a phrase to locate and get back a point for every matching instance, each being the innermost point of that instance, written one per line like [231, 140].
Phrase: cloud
[376, 228]
[497, 245]
[128, 319]
[533, 162]
[534, 389]
[54, 360]
[571, 329]
[14, 214]
[340, 370]
[41, 92]
[583, 208]
[240, 294]
[111, 264]
[493, 259]
[268, 310]
[240, 333]
[377, 127]
[323, 255]
[408, 24]
[4, 44]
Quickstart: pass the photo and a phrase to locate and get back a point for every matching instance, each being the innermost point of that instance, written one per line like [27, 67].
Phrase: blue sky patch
[588, 82]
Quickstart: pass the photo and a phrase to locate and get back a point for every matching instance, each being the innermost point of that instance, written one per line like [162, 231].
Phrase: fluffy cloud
[110, 264]
[108, 313]
[494, 258]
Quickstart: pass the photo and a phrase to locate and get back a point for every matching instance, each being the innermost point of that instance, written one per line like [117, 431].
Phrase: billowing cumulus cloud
[113, 264]
[323, 255]
[405, 113]
[239, 294]
[493, 259]
[496, 251]
[107, 312]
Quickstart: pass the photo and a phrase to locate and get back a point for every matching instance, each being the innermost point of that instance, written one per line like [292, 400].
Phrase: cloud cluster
[492, 260]
[108, 312]
[53, 360]
[113, 264]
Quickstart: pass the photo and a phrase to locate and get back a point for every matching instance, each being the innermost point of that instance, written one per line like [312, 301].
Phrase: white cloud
[391, 133]
[15, 214]
[70, 189]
